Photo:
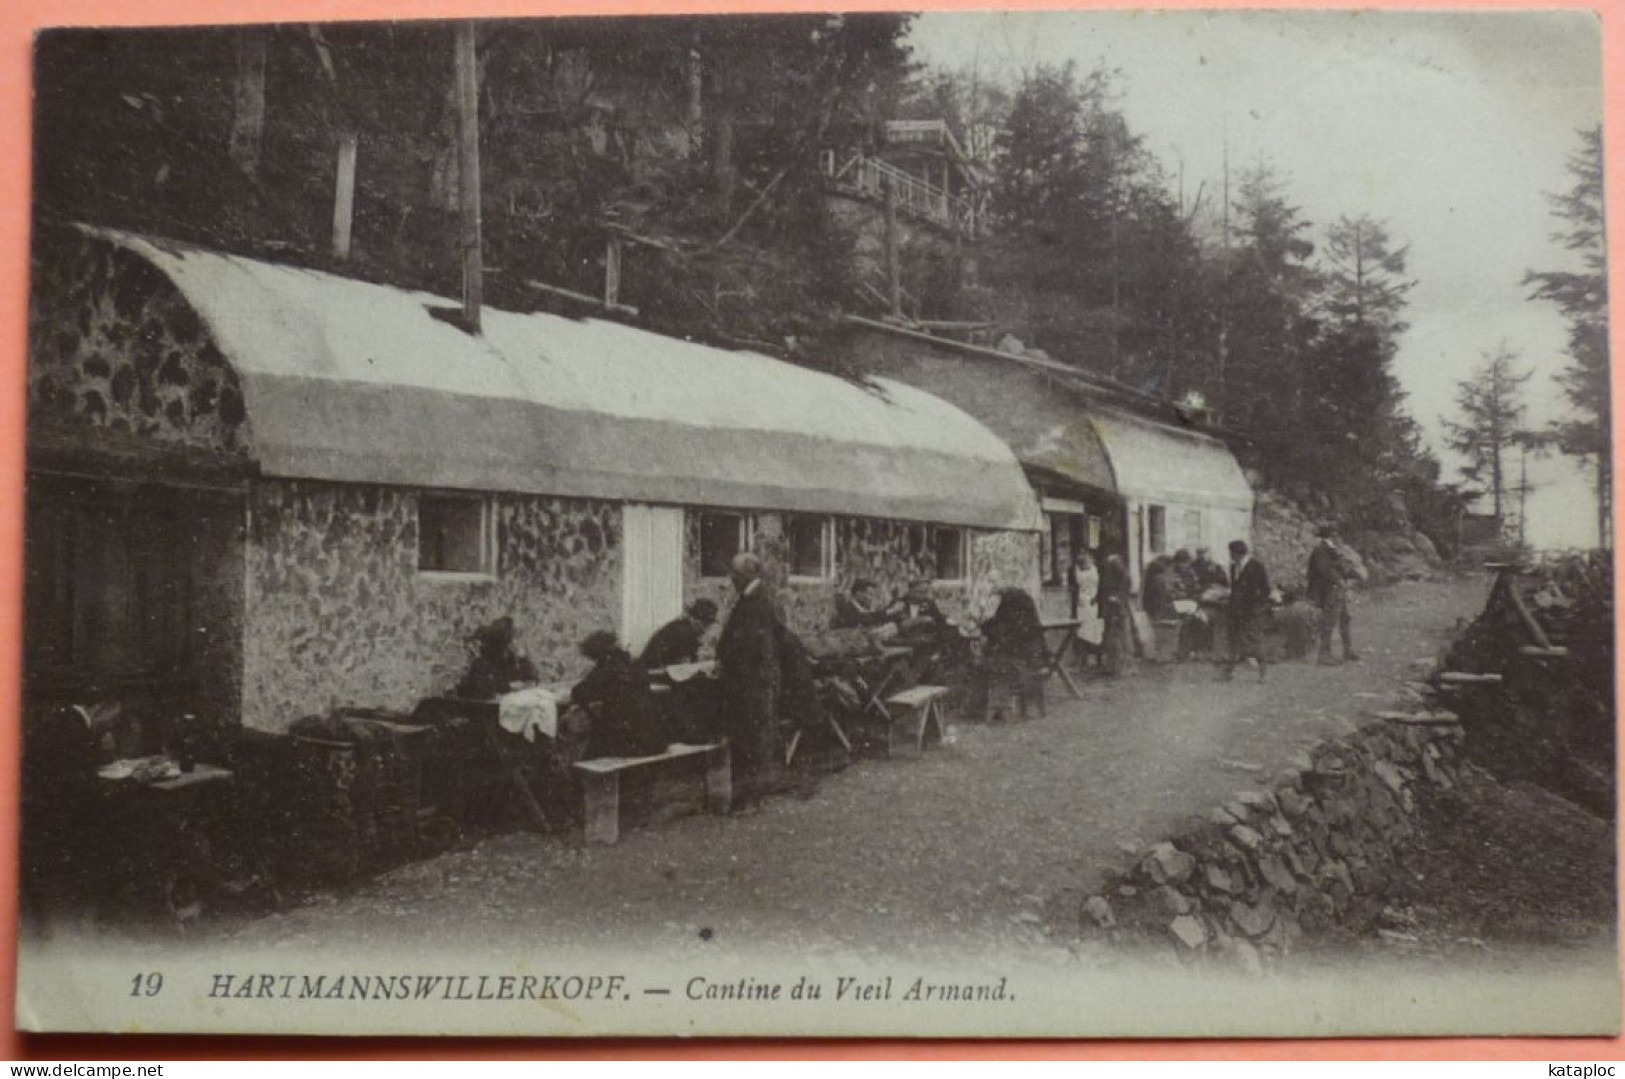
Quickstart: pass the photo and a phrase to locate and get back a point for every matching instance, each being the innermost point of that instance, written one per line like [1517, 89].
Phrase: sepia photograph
[990, 524]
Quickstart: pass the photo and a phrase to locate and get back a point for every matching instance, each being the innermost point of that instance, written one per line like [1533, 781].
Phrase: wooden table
[507, 763]
[169, 834]
[1067, 628]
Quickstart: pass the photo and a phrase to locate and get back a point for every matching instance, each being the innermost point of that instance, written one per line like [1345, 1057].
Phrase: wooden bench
[601, 785]
[915, 711]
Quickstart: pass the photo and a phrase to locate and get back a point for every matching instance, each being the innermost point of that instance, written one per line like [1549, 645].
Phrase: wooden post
[894, 272]
[468, 186]
[344, 196]
[612, 271]
[248, 101]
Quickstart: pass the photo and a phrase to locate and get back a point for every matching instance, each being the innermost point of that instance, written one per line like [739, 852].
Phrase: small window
[951, 560]
[722, 536]
[916, 542]
[1157, 527]
[1193, 528]
[455, 535]
[812, 547]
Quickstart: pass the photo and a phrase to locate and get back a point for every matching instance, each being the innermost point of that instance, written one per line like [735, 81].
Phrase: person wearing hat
[1330, 571]
[623, 718]
[678, 641]
[1248, 608]
[750, 664]
[497, 666]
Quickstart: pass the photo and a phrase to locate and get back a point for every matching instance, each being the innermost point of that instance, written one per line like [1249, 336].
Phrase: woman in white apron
[1083, 582]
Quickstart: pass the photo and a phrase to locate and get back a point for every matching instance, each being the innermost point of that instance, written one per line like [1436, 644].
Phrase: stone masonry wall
[1321, 848]
[339, 615]
[112, 344]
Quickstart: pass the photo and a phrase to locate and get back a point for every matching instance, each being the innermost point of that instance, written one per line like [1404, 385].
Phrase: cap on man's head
[862, 584]
[703, 610]
[1326, 531]
[1238, 548]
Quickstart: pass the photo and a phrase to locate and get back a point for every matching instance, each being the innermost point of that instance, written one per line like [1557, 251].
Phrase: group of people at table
[1196, 598]
[766, 681]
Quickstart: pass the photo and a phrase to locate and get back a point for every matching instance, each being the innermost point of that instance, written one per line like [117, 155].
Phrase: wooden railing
[868, 176]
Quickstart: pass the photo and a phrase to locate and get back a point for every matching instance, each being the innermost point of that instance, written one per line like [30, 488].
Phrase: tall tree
[1269, 291]
[1582, 296]
[1491, 423]
[1353, 403]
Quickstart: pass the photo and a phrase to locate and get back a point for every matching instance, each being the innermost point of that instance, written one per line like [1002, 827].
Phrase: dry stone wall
[1321, 848]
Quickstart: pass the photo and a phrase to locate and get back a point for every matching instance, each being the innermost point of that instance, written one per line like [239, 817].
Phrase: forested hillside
[694, 148]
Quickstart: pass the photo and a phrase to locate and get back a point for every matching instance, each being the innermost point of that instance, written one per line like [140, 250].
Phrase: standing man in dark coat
[1117, 647]
[1249, 606]
[749, 666]
[1329, 576]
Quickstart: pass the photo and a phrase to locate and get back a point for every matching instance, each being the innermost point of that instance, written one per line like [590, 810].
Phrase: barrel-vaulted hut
[262, 491]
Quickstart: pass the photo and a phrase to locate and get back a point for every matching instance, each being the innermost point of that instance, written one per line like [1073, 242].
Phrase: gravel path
[964, 850]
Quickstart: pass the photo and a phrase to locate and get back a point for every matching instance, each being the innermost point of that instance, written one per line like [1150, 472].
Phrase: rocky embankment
[1284, 534]
[1322, 849]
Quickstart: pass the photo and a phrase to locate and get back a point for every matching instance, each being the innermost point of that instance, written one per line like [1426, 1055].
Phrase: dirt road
[962, 849]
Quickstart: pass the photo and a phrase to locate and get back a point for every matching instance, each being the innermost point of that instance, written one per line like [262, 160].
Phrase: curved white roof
[1161, 463]
[354, 381]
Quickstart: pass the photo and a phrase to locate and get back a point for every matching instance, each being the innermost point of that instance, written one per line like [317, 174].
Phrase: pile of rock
[1321, 849]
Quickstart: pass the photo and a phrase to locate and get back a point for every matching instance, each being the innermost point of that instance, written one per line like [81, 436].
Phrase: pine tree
[1353, 401]
[1582, 296]
[1491, 424]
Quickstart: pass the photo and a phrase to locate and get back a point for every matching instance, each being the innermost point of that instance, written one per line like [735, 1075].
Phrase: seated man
[625, 721]
[497, 667]
[923, 627]
[917, 614]
[860, 609]
[1012, 646]
[678, 641]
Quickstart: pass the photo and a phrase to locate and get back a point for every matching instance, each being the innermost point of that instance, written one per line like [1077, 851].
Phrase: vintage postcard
[992, 524]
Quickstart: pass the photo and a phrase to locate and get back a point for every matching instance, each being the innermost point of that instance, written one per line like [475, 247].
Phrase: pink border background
[18, 20]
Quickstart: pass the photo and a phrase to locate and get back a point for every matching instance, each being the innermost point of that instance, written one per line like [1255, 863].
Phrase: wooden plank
[918, 696]
[468, 185]
[677, 751]
[1535, 629]
[344, 196]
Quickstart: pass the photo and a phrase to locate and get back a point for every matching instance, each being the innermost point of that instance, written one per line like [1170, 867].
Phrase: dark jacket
[1328, 575]
[1158, 597]
[1015, 632]
[1210, 574]
[491, 674]
[748, 661]
[848, 615]
[678, 641]
[1249, 590]
[1113, 587]
[625, 719]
